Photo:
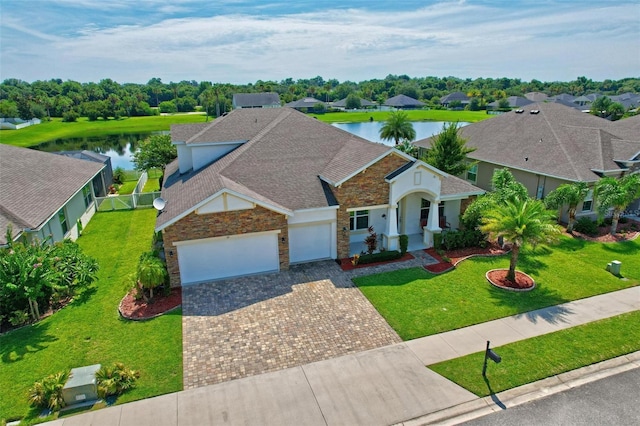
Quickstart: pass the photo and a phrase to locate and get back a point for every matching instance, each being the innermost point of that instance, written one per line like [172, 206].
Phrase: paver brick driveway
[245, 326]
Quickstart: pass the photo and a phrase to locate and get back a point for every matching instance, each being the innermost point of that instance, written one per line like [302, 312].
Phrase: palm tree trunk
[515, 251]
[572, 219]
[614, 221]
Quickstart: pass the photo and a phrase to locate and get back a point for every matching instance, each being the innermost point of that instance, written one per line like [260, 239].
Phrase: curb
[530, 392]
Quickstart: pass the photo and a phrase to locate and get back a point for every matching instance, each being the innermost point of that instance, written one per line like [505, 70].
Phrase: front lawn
[544, 356]
[90, 331]
[417, 303]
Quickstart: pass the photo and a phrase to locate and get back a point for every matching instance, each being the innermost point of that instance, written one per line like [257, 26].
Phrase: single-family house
[403, 102]
[44, 195]
[536, 96]
[455, 97]
[549, 144]
[256, 100]
[342, 104]
[514, 102]
[102, 181]
[260, 189]
[304, 104]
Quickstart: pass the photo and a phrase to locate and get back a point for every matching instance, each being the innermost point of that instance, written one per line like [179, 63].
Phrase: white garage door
[309, 242]
[215, 258]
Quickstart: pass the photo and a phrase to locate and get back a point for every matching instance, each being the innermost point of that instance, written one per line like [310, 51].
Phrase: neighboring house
[43, 194]
[304, 104]
[260, 189]
[514, 102]
[403, 102]
[101, 182]
[256, 100]
[455, 97]
[536, 96]
[342, 104]
[548, 144]
[627, 100]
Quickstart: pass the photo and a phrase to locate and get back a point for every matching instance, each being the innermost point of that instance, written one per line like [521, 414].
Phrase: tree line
[110, 99]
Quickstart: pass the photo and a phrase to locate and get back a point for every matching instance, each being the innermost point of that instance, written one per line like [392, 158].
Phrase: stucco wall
[194, 227]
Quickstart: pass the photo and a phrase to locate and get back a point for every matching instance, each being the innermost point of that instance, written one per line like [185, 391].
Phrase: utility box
[615, 267]
[81, 386]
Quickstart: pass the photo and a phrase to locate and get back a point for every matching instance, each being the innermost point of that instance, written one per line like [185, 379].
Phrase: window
[472, 174]
[63, 221]
[425, 206]
[358, 220]
[86, 194]
[587, 204]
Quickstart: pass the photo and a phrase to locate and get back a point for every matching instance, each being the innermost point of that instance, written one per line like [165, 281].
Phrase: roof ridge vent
[534, 111]
[518, 111]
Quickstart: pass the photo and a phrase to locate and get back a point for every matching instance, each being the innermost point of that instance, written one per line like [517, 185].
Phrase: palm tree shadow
[492, 394]
[528, 304]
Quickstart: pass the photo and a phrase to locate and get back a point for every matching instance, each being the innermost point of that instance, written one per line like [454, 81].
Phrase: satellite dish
[159, 204]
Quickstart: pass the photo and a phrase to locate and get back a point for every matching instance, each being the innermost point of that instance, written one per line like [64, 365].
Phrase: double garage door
[224, 257]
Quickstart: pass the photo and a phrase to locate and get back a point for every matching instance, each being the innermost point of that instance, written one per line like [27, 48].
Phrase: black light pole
[489, 353]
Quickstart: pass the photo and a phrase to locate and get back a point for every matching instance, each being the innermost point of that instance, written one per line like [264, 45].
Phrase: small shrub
[379, 257]
[404, 244]
[437, 241]
[19, 318]
[446, 259]
[47, 393]
[118, 175]
[70, 116]
[371, 241]
[586, 226]
[115, 380]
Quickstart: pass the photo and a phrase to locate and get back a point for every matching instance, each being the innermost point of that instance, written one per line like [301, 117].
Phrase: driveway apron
[251, 325]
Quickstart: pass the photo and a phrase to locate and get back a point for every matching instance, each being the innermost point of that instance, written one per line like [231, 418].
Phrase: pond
[371, 130]
[119, 147]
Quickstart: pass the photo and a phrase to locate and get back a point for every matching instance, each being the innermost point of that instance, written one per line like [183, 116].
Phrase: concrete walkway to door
[251, 325]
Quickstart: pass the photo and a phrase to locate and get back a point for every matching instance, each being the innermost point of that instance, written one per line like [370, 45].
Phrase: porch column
[433, 224]
[392, 227]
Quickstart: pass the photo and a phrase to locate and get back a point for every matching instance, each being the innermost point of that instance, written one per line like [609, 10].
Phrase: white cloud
[449, 38]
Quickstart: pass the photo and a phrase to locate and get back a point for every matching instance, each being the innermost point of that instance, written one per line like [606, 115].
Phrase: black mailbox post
[489, 354]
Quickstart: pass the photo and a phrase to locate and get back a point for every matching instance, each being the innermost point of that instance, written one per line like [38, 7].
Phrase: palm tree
[570, 194]
[520, 221]
[398, 127]
[151, 272]
[616, 194]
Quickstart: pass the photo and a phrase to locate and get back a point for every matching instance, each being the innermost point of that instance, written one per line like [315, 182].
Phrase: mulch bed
[457, 256]
[624, 232]
[346, 265]
[498, 277]
[133, 309]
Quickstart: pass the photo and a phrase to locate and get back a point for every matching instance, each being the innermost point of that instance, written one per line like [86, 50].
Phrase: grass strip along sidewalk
[540, 357]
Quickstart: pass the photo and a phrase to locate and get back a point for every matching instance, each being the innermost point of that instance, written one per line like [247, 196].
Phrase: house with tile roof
[256, 100]
[260, 189]
[545, 145]
[45, 195]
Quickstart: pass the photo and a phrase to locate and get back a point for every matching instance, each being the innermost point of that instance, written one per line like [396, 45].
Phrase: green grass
[414, 115]
[417, 303]
[56, 129]
[90, 331]
[544, 356]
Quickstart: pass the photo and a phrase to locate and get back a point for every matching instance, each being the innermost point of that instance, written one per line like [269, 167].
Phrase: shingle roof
[514, 101]
[455, 96]
[34, 185]
[452, 185]
[304, 103]
[279, 165]
[246, 100]
[558, 141]
[342, 103]
[403, 101]
[536, 96]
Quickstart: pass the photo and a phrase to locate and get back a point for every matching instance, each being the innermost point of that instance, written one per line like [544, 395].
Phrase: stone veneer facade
[209, 225]
[367, 188]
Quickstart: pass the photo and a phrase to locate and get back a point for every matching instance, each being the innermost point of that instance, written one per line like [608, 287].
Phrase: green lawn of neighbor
[90, 331]
[414, 115]
[56, 129]
[417, 303]
[544, 356]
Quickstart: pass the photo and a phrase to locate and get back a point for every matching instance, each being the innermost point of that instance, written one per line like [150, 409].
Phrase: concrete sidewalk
[378, 387]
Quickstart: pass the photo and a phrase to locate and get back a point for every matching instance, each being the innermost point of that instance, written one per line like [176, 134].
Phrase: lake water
[121, 147]
[371, 130]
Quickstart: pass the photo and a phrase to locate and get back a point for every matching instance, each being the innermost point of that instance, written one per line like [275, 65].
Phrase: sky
[242, 41]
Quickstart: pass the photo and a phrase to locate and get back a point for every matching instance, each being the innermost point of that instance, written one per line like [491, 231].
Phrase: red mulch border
[458, 256]
[345, 264]
[498, 278]
[139, 310]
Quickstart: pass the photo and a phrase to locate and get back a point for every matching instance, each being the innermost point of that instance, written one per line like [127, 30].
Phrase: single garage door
[309, 242]
[224, 257]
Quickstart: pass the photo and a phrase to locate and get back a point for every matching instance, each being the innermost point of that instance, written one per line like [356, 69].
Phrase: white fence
[135, 200]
